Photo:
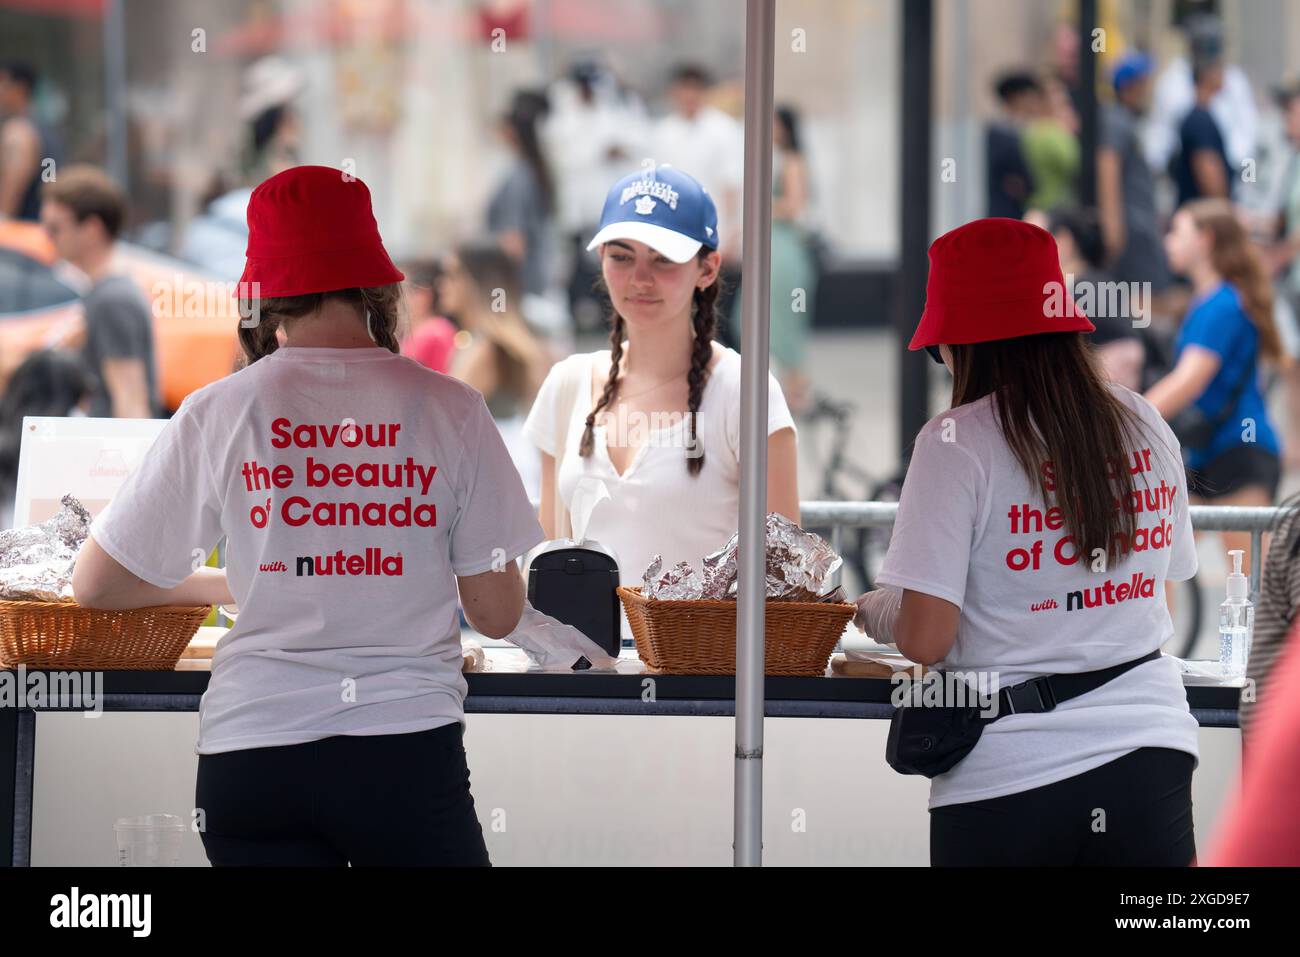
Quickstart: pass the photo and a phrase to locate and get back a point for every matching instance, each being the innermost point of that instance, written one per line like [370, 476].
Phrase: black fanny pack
[929, 738]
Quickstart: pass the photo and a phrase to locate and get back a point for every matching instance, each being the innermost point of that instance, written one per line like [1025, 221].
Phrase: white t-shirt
[656, 507]
[362, 644]
[974, 531]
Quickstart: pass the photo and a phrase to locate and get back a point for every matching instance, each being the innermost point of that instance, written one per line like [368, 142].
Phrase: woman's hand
[877, 612]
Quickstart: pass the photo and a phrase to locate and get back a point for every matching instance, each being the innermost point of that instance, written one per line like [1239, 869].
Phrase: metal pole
[115, 118]
[755, 296]
[1087, 104]
[914, 219]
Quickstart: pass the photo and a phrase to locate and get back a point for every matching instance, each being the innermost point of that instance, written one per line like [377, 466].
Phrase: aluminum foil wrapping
[36, 562]
[679, 583]
[799, 564]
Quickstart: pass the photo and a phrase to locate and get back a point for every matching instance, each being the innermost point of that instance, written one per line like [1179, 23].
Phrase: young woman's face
[453, 292]
[646, 286]
[1186, 245]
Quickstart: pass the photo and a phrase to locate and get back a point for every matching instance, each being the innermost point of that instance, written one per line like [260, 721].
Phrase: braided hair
[704, 321]
[381, 305]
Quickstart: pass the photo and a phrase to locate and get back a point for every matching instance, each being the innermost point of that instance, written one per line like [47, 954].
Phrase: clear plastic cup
[150, 840]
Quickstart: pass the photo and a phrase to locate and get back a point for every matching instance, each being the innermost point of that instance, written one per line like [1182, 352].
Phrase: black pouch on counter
[931, 739]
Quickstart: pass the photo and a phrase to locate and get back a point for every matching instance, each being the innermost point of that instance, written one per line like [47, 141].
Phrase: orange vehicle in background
[195, 318]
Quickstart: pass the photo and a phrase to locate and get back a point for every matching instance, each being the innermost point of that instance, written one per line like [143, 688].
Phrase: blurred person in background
[502, 358]
[82, 211]
[1009, 180]
[1226, 336]
[1233, 106]
[271, 143]
[1080, 249]
[1051, 146]
[430, 336]
[273, 140]
[52, 382]
[709, 143]
[521, 211]
[794, 271]
[1201, 169]
[1284, 257]
[1126, 188]
[24, 144]
[596, 129]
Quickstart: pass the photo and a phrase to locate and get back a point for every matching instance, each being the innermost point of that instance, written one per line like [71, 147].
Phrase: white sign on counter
[86, 457]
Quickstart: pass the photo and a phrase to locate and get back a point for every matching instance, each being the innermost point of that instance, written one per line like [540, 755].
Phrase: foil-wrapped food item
[679, 583]
[799, 565]
[36, 562]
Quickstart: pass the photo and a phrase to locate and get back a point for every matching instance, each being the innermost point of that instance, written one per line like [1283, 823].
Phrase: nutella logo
[1138, 586]
[372, 562]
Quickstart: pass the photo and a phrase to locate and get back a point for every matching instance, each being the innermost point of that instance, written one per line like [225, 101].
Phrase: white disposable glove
[877, 612]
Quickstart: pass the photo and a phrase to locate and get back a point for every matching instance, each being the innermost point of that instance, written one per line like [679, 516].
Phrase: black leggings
[391, 799]
[1143, 800]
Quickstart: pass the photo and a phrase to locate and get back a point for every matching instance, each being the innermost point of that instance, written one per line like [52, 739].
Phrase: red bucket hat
[995, 279]
[310, 229]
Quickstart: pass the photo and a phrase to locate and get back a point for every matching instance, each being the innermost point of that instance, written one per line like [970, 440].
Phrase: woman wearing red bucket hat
[1041, 515]
[358, 492]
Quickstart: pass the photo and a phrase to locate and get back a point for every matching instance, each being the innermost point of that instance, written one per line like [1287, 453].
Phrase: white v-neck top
[656, 507]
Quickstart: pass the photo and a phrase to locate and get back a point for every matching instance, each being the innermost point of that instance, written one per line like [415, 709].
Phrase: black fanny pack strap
[1043, 694]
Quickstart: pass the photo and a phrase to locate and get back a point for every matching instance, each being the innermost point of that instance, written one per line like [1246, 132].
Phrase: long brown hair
[1053, 404]
[704, 320]
[379, 305]
[520, 359]
[1235, 259]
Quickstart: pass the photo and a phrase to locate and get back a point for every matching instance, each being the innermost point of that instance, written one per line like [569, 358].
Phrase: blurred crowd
[1187, 259]
[496, 310]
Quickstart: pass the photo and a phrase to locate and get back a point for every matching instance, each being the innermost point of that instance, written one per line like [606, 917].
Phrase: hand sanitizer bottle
[1236, 622]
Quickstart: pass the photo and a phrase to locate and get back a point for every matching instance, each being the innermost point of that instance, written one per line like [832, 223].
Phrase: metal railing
[838, 516]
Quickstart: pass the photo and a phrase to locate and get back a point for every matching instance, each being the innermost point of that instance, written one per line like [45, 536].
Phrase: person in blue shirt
[1227, 333]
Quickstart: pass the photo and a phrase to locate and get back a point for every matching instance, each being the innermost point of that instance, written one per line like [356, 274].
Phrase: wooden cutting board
[197, 655]
[204, 642]
[863, 669]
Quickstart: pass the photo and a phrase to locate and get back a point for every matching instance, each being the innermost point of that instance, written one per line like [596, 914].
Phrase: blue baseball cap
[1132, 66]
[662, 207]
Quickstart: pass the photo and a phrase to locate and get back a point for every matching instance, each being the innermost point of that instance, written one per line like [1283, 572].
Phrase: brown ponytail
[1235, 259]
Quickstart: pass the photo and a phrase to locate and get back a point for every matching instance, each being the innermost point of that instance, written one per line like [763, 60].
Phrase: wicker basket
[699, 637]
[63, 635]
